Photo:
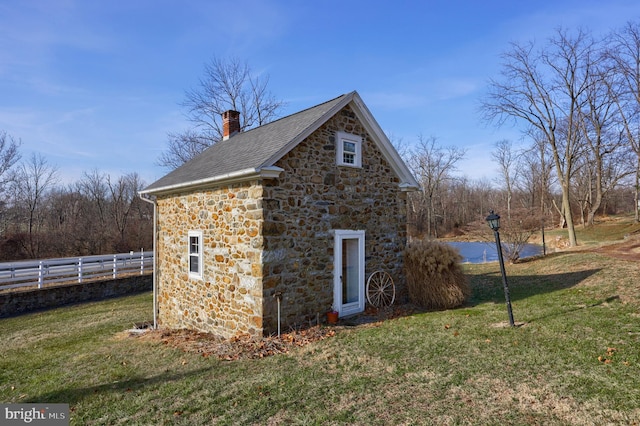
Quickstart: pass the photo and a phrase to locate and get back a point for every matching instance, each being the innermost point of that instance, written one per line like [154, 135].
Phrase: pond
[478, 252]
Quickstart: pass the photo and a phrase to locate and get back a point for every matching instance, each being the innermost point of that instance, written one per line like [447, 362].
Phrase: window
[349, 152]
[195, 254]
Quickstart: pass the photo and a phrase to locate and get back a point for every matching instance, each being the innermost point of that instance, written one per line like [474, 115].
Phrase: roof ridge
[291, 115]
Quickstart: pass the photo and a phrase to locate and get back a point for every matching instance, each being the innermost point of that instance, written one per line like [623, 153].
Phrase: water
[486, 252]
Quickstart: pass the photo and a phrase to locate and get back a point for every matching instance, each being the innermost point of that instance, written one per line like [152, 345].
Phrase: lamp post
[494, 223]
[544, 246]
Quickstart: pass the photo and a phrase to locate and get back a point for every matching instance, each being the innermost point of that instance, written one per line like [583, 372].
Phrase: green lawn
[574, 361]
[605, 230]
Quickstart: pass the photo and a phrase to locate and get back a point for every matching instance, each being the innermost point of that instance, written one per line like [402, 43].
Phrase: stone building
[304, 208]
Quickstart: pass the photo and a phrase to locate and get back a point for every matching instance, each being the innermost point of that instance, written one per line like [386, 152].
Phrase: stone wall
[228, 299]
[314, 196]
[22, 301]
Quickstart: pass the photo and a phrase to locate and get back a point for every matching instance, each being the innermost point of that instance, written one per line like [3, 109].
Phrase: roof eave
[397, 164]
[408, 187]
[228, 178]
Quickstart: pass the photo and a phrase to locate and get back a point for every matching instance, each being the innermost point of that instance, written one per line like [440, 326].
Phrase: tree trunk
[637, 197]
[429, 217]
[566, 207]
[595, 204]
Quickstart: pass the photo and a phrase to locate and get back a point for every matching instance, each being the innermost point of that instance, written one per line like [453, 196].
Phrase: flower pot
[332, 317]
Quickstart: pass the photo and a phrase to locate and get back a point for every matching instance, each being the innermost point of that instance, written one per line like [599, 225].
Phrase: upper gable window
[349, 150]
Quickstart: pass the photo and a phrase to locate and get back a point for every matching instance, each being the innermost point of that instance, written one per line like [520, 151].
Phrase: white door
[348, 272]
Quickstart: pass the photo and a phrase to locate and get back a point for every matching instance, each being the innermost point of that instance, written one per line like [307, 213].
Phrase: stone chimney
[230, 124]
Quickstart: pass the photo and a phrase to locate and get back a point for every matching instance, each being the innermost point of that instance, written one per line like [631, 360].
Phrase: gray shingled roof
[252, 149]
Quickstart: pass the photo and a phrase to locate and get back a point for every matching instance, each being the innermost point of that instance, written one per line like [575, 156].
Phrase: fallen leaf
[241, 346]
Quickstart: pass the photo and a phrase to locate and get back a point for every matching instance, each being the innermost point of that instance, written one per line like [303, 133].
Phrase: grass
[574, 361]
[607, 229]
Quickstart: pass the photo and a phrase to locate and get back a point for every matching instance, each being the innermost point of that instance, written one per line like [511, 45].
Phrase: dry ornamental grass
[435, 278]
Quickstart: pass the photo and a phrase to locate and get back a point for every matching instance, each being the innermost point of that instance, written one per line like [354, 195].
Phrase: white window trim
[341, 137]
[197, 234]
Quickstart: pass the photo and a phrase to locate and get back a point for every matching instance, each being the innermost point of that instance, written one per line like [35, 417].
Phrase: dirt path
[628, 249]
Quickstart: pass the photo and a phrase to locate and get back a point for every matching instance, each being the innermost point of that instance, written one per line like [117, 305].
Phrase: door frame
[358, 306]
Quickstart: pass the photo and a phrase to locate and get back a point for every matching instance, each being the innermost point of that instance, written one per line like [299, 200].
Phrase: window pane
[348, 158]
[349, 147]
[350, 271]
[193, 245]
[193, 264]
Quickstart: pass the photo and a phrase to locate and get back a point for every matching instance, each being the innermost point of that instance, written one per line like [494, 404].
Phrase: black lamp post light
[494, 223]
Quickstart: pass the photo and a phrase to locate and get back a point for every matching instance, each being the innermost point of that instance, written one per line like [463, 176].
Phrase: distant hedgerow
[434, 276]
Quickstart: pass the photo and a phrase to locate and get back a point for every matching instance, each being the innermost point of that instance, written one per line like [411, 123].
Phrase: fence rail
[73, 269]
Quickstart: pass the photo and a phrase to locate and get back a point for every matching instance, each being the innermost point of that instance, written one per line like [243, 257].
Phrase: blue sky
[98, 84]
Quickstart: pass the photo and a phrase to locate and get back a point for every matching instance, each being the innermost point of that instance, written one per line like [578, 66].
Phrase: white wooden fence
[73, 269]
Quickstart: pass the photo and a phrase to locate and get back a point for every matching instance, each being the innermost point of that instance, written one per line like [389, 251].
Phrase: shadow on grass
[568, 310]
[488, 287]
[72, 396]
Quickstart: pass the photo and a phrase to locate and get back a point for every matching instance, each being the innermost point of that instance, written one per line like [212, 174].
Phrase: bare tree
[607, 160]
[536, 176]
[96, 215]
[65, 229]
[226, 85]
[507, 161]
[545, 89]
[9, 156]
[517, 231]
[93, 186]
[123, 192]
[432, 164]
[182, 147]
[35, 178]
[625, 90]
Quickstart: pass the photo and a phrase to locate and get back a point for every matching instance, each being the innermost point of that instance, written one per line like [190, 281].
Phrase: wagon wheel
[381, 291]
